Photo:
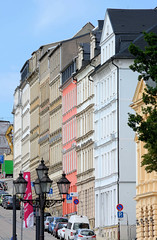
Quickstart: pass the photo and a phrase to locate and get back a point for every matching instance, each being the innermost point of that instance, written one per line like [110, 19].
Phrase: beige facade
[34, 115]
[55, 132]
[146, 189]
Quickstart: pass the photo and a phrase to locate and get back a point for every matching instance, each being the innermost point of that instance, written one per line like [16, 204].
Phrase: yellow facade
[146, 188]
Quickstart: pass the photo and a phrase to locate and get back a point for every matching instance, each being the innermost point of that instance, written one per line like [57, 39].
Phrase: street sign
[51, 191]
[119, 207]
[1, 158]
[120, 214]
[76, 201]
[69, 198]
[74, 194]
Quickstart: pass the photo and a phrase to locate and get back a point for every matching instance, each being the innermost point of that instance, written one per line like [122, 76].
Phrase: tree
[145, 125]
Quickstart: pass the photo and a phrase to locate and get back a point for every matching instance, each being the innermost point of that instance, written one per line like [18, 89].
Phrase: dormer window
[107, 32]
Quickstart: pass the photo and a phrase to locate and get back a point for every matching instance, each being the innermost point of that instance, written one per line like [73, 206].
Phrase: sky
[27, 25]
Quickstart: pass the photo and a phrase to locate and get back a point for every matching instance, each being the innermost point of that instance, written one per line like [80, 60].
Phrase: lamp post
[42, 186]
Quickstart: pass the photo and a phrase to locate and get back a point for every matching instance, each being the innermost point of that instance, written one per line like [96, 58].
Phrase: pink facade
[69, 145]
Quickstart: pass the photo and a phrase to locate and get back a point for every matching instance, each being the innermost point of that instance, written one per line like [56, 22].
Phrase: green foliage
[145, 60]
[145, 125]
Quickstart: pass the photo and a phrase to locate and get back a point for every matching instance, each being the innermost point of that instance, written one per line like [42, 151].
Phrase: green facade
[7, 167]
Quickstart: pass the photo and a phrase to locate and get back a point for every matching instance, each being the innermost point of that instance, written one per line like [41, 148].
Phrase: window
[69, 225]
[87, 233]
[80, 225]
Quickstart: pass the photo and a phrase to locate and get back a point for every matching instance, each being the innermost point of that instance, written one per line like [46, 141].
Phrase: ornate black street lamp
[42, 186]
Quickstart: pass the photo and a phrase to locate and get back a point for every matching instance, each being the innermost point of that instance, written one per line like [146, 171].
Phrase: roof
[132, 20]
[138, 41]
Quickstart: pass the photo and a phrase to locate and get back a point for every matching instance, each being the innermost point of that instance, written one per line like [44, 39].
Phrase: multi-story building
[4, 145]
[114, 152]
[146, 209]
[44, 95]
[69, 132]
[17, 111]
[55, 120]
[146, 183]
[34, 113]
[22, 122]
[38, 109]
[88, 59]
[59, 57]
[25, 117]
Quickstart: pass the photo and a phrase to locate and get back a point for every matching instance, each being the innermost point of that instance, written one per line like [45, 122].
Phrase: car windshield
[87, 233]
[60, 225]
[80, 225]
[49, 219]
[61, 220]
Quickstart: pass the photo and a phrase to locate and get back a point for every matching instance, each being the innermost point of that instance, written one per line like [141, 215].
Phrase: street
[6, 227]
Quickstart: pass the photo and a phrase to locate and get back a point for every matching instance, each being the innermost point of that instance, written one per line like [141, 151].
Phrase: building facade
[69, 133]
[112, 155]
[21, 112]
[59, 56]
[113, 184]
[55, 131]
[69, 101]
[17, 111]
[34, 114]
[88, 59]
[25, 117]
[146, 183]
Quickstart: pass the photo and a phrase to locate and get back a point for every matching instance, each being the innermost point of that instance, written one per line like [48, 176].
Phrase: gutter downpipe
[117, 139]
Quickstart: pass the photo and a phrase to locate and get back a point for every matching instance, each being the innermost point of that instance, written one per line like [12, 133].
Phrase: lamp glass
[63, 184]
[37, 187]
[20, 184]
[41, 170]
[46, 183]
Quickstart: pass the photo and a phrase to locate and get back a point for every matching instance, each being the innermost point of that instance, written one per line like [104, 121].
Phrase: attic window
[107, 33]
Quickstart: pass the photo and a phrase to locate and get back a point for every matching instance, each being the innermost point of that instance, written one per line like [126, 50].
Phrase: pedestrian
[12, 237]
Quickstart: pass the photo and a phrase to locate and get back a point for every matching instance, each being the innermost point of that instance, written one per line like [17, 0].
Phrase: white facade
[85, 145]
[114, 152]
[107, 40]
[25, 157]
[21, 111]
[17, 110]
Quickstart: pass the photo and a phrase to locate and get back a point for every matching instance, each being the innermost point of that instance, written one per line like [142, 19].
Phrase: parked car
[2, 196]
[46, 222]
[58, 226]
[75, 222]
[4, 199]
[8, 203]
[54, 221]
[61, 231]
[46, 214]
[84, 234]
[3, 185]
